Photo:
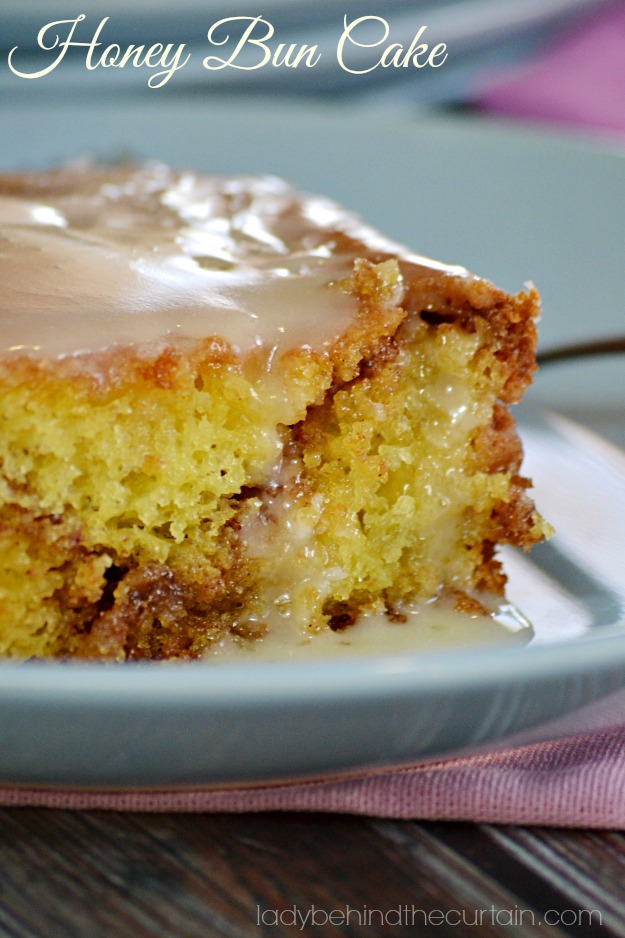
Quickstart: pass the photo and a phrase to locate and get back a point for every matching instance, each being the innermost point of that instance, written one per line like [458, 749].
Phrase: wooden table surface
[93, 874]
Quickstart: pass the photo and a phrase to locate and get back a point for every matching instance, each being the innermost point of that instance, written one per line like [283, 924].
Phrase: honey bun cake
[225, 402]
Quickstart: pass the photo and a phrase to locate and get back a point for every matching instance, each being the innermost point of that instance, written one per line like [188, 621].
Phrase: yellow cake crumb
[153, 499]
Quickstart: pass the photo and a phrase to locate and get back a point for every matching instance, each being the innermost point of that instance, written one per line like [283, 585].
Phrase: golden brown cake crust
[149, 486]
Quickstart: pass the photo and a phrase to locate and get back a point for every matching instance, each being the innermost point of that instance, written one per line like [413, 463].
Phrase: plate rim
[196, 686]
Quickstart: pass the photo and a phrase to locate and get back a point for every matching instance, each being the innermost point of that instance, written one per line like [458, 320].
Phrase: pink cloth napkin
[578, 80]
[574, 782]
[568, 772]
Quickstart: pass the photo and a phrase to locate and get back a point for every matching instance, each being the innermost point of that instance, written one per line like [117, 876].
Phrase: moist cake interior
[224, 401]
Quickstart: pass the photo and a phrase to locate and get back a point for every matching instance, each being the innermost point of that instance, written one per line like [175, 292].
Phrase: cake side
[403, 482]
[161, 492]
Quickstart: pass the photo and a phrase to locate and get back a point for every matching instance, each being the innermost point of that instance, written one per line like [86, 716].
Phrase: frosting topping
[92, 259]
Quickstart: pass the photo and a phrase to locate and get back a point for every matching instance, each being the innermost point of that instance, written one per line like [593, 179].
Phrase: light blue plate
[507, 204]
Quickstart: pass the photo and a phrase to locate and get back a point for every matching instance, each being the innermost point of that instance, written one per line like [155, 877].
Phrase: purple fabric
[579, 80]
[574, 782]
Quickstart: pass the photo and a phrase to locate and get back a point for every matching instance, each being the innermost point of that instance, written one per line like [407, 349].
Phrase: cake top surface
[91, 259]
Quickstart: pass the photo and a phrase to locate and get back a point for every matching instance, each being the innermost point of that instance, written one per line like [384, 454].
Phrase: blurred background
[559, 61]
[507, 157]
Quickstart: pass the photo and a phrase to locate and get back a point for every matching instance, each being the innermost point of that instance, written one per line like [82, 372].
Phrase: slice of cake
[224, 402]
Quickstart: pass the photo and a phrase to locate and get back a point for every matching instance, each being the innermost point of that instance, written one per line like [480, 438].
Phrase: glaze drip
[130, 257]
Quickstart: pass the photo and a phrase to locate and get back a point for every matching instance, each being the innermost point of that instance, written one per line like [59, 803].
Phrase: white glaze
[433, 626]
[90, 260]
